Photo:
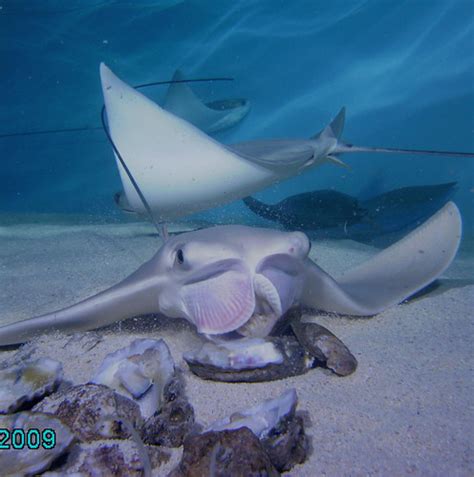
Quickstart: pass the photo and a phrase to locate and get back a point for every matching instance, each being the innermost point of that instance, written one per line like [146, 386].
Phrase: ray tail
[344, 148]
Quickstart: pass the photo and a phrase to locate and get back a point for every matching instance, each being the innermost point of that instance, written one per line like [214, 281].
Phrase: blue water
[403, 69]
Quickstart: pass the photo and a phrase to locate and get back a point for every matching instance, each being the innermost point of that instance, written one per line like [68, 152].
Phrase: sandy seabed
[407, 410]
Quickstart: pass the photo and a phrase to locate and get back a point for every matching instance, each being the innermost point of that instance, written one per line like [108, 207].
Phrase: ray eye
[179, 256]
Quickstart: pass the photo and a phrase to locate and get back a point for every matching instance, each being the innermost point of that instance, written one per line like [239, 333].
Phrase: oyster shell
[249, 360]
[323, 345]
[235, 452]
[28, 381]
[111, 457]
[25, 461]
[275, 423]
[174, 421]
[140, 371]
[93, 411]
[260, 419]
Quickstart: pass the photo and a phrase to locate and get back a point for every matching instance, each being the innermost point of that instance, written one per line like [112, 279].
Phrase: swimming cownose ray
[181, 170]
[402, 209]
[209, 117]
[332, 214]
[238, 278]
[310, 211]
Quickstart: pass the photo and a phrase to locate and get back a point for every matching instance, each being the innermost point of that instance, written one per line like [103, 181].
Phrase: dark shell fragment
[226, 453]
[323, 345]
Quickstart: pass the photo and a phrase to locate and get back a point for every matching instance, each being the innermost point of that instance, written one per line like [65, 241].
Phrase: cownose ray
[309, 211]
[234, 277]
[210, 117]
[181, 170]
[330, 213]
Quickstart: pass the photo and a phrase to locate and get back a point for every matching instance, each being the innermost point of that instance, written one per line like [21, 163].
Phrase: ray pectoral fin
[221, 303]
[182, 101]
[392, 275]
[322, 292]
[136, 295]
[336, 126]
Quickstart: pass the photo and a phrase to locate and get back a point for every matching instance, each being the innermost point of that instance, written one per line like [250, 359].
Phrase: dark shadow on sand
[438, 287]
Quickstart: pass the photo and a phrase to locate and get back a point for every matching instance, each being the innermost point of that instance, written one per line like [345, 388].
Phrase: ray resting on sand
[231, 277]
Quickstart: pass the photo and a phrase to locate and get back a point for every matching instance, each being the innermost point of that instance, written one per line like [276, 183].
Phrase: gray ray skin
[324, 146]
[220, 277]
[336, 215]
[210, 117]
[311, 210]
[400, 210]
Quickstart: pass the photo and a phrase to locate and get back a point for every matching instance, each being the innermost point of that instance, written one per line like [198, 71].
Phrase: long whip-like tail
[344, 148]
[266, 211]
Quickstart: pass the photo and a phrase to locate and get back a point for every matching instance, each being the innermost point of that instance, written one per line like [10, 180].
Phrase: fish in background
[311, 211]
[210, 117]
[332, 214]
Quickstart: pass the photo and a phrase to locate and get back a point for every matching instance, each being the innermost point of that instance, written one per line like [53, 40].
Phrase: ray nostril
[300, 243]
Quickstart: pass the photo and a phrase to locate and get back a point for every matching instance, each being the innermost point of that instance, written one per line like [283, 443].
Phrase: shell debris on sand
[140, 371]
[109, 430]
[323, 345]
[396, 402]
[249, 360]
[31, 461]
[25, 382]
[145, 372]
[277, 426]
[236, 452]
[86, 409]
[273, 357]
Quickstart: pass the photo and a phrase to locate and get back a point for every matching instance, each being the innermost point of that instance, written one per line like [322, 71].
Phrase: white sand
[408, 409]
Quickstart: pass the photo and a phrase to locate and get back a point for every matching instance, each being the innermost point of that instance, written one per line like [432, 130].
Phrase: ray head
[218, 278]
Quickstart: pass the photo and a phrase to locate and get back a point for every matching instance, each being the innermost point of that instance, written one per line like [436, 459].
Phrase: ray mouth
[284, 272]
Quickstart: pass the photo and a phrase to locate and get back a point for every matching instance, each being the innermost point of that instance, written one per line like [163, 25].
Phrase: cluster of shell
[306, 346]
[133, 411]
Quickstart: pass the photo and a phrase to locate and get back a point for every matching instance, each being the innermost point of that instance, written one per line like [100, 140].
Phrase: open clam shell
[260, 419]
[27, 382]
[140, 371]
[249, 360]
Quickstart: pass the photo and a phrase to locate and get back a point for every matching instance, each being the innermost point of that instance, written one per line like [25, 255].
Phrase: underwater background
[403, 69]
